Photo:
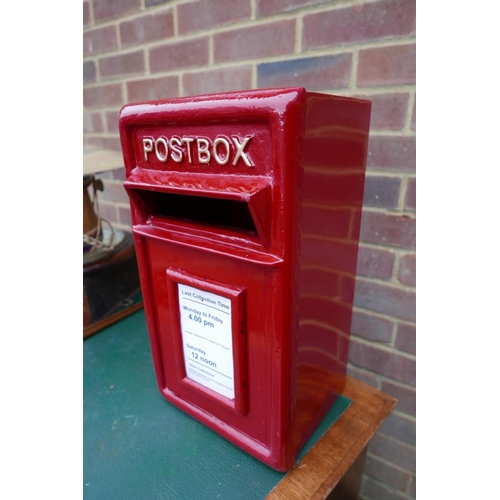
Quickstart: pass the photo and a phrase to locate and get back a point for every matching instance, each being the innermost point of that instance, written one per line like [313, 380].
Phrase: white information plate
[207, 339]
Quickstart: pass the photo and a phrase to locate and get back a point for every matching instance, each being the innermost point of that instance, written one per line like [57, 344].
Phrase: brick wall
[150, 49]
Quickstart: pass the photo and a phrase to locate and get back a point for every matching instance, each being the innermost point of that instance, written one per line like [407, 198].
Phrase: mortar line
[175, 21]
[298, 34]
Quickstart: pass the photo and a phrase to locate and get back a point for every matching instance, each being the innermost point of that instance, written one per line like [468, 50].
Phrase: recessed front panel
[209, 333]
[224, 148]
[213, 325]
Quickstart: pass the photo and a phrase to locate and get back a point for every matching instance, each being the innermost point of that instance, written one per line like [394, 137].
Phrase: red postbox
[246, 211]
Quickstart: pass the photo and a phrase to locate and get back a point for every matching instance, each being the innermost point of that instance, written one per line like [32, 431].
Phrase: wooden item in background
[111, 288]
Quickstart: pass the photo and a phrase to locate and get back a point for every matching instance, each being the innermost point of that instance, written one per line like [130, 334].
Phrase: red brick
[259, 41]
[203, 14]
[386, 66]
[115, 192]
[377, 491]
[217, 80]
[412, 490]
[105, 142]
[371, 327]
[406, 338]
[375, 263]
[361, 23]
[313, 73]
[86, 14]
[385, 299]
[179, 55]
[393, 451]
[388, 111]
[156, 26]
[99, 40]
[103, 95]
[151, 89]
[123, 64]
[105, 175]
[406, 396]
[118, 174]
[124, 215]
[407, 269]
[388, 229]
[400, 427]
[363, 375]
[392, 153]
[112, 121]
[411, 194]
[92, 123]
[89, 72]
[104, 9]
[382, 361]
[413, 125]
[107, 210]
[150, 3]
[387, 473]
[266, 7]
[381, 191]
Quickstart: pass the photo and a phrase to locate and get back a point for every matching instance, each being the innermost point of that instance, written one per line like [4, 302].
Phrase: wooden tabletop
[321, 469]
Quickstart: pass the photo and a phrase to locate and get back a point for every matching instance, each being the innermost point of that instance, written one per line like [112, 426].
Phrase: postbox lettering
[221, 160]
[199, 150]
[203, 153]
[176, 153]
[147, 144]
[187, 141]
[162, 156]
[240, 153]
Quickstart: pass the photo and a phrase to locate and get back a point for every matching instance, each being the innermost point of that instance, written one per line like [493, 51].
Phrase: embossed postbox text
[222, 150]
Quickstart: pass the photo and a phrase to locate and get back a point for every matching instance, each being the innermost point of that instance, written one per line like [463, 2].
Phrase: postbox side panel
[333, 172]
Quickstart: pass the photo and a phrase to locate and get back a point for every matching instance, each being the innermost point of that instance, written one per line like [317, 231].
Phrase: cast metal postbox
[246, 211]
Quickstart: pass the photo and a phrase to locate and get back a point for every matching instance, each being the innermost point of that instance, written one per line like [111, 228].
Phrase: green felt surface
[139, 446]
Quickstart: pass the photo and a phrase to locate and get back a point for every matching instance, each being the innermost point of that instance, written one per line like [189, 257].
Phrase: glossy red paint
[254, 197]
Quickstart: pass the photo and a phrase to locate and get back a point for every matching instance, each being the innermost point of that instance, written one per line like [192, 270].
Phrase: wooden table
[139, 446]
[336, 461]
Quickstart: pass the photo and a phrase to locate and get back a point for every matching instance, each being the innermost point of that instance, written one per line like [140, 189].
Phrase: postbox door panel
[214, 286]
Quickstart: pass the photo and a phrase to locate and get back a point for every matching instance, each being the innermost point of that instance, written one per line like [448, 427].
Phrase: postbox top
[241, 98]
[269, 104]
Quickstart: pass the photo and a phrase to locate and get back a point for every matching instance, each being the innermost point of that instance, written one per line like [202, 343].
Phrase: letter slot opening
[206, 211]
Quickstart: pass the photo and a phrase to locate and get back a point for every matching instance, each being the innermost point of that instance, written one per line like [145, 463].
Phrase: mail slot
[246, 211]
